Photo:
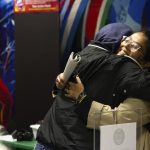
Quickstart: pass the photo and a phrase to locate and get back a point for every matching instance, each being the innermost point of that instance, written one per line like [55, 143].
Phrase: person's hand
[60, 83]
[73, 90]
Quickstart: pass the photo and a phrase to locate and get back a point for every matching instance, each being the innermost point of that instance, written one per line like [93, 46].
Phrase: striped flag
[91, 20]
[71, 26]
[103, 14]
[84, 25]
[64, 13]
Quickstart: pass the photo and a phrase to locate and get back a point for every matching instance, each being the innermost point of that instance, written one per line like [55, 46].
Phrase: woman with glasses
[137, 46]
[103, 78]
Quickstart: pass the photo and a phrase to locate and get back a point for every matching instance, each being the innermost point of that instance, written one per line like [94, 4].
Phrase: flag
[129, 12]
[91, 20]
[7, 45]
[71, 26]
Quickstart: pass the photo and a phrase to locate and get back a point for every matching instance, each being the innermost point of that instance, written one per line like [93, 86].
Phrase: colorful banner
[21, 6]
[7, 45]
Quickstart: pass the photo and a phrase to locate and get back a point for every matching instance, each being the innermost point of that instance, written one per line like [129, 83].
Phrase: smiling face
[134, 46]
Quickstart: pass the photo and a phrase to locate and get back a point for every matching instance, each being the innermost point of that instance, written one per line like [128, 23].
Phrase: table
[25, 145]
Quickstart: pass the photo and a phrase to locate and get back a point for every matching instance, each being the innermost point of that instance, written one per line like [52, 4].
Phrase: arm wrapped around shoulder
[128, 111]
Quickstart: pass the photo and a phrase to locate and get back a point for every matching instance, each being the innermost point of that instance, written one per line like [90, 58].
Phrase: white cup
[34, 129]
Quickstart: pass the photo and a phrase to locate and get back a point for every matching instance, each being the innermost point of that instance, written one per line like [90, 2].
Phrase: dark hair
[147, 54]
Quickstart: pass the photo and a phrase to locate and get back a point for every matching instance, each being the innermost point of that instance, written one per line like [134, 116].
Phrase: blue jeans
[39, 146]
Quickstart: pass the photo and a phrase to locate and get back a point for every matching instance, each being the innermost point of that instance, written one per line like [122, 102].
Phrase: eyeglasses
[134, 46]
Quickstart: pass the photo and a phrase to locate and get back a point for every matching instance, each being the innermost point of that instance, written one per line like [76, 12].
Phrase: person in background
[63, 128]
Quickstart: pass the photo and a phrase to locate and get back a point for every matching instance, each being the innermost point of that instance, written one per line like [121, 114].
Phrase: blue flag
[7, 45]
[129, 12]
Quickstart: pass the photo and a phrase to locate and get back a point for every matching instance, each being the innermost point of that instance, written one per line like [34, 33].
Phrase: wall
[36, 64]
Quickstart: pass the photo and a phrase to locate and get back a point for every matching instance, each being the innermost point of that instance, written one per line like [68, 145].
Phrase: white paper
[118, 137]
[72, 62]
[7, 138]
